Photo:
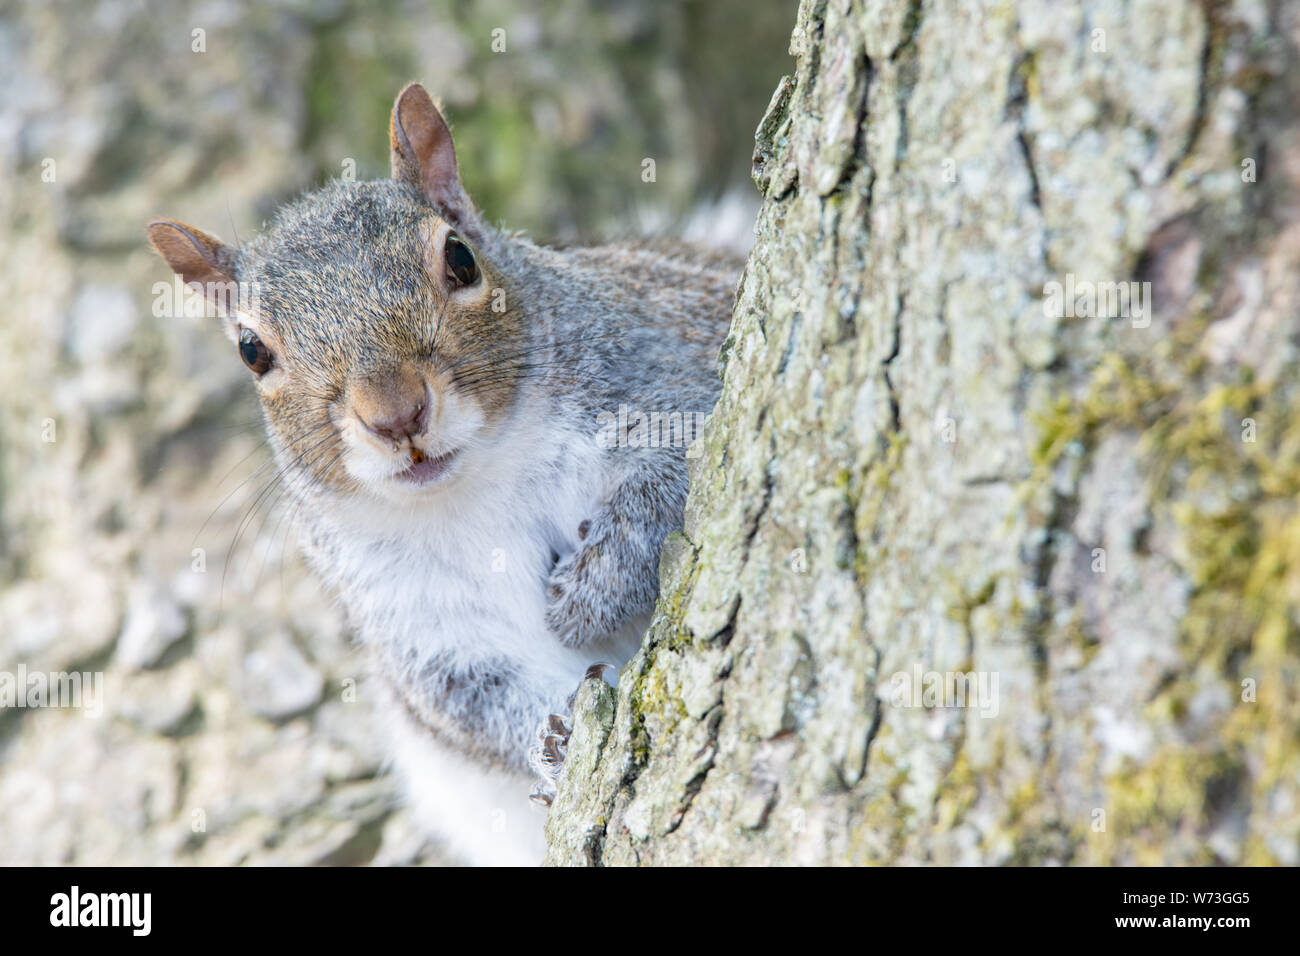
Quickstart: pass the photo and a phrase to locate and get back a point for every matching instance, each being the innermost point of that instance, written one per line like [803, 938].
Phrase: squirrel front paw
[582, 591]
[547, 754]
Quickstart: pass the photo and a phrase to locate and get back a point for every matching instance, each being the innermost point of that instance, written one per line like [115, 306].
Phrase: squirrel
[438, 395]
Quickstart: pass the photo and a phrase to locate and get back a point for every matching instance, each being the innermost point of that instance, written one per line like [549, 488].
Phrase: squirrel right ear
[423, 155]
[203, 262]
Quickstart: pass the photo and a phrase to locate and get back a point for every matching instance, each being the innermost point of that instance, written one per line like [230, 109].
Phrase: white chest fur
[458, 583]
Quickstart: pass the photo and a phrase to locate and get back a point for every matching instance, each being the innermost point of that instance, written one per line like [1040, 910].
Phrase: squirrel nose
[400, 423]
[394, 407]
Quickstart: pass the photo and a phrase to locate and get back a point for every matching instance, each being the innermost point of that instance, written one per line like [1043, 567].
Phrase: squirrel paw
[578, 606]
[547, 755]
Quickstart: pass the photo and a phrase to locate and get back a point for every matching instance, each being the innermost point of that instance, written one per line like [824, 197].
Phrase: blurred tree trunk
[918, 465]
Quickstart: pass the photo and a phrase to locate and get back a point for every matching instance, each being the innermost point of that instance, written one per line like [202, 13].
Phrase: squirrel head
[385, 342]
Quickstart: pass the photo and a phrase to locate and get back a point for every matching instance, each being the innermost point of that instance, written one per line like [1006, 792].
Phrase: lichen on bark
[914, 464]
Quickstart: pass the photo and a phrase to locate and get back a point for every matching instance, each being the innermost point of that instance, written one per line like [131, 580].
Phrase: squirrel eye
[461, 264]
[255, 354]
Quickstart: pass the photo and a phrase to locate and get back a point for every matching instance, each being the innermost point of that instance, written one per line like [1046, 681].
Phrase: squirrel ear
[203, 262]
[423, 155]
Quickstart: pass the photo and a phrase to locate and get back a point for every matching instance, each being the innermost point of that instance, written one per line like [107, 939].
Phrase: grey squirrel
[438, 393]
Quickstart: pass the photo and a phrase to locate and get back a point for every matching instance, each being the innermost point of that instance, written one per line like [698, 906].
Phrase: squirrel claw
[555, 724]
[547, 757]
[597, 671]
[594, 672]
[553, 749]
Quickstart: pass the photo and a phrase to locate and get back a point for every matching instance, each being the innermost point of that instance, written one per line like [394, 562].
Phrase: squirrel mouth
[425, 469]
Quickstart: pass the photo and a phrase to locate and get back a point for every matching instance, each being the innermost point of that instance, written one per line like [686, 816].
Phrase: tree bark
[917, 465]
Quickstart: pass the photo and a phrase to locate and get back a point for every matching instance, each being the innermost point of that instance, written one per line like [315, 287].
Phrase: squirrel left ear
[423, 154]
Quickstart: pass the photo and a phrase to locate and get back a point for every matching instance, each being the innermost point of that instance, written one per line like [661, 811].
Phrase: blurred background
[138, 537]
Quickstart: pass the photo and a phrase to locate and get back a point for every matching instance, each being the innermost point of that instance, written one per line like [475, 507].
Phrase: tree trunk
[929, 460]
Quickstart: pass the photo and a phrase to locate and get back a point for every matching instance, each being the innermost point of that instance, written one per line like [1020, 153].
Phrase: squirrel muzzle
[393, 404]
